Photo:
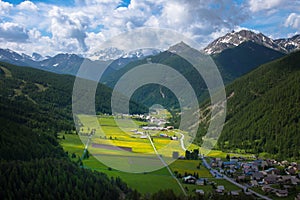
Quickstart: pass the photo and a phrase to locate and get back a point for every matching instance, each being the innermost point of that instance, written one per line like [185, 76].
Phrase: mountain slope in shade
[237, 61]
[232, 63]
[234, 39]
[263, 110]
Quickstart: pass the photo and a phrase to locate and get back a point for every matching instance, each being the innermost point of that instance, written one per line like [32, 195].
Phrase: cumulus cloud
[68, 26]
[272, 6]
[81, 28]
[12, 32]
[293, 21]
[27, 5]
[5, 7]
[259, 5]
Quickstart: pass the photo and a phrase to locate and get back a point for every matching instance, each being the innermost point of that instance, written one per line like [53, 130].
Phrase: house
[267, 188]
[291, 171]
[189, 179]
[174, 138]
[201, 192]
[163, 135]
[234, 193]
[249, 168]
[294, 180]
[285, 162]
[285, 179]
[282, 193]
[234, 159]
[270, 179]
[201, 181]
[229, 164]
[240, 178]
[254, 183]
[258, 176]
[220, 189]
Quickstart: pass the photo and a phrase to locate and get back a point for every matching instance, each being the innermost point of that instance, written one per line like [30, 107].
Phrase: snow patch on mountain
[234, 39]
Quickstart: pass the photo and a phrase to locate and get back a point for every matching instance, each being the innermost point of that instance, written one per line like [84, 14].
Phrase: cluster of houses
[220, 189]
[154, 128]
[267, 174]
[143, 135]
[148, 118]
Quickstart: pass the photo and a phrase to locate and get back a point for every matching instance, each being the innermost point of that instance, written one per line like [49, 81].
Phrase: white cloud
[272, 6]
[27, 5]
[70, 26]
[83, 27]
[78, 29]
[259, 5]
[293, 21]
[5, 7]
[13, 32]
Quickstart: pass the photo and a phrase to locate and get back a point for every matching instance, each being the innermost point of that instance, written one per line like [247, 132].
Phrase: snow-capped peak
[234, 39]
[113, 53]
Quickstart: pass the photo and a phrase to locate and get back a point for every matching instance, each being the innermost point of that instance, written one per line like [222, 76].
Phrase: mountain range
[64, 63]
[232, 63]
[234, 39]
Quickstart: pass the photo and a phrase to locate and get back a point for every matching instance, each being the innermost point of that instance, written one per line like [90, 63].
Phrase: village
[263, 178]
[256, 177]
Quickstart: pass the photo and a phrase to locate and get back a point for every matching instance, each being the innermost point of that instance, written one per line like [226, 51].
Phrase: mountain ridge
[234, 39]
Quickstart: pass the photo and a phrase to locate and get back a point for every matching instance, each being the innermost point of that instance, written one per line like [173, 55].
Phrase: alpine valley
[42, 155]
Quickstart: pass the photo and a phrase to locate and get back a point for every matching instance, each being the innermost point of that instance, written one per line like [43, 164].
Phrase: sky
[80, 26]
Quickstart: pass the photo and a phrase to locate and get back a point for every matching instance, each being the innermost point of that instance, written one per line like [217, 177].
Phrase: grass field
[143, 182]
[146, 182]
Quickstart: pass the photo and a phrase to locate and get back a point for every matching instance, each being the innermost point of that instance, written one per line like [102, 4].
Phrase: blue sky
[76, 26]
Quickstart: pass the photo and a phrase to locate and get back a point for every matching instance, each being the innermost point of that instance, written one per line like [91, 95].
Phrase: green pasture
[143, 182]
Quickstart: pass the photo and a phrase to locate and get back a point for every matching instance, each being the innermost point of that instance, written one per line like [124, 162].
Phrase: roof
[254, 183]
[221, 187]
[282, 192]
[257, 175]
[189, 177]
[200, 191]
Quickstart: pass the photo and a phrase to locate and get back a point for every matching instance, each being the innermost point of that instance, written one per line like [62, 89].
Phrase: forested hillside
[263, 110]
[232, 63]
[34, 107]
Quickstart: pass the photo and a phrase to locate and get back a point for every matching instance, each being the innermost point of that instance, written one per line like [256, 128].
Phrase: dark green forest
[34, 106]
[263, 111]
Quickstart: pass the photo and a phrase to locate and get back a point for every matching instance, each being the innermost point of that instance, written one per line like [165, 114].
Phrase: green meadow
[149, 182]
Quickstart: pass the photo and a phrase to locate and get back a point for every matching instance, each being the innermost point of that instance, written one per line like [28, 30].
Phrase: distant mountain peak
[37, 57]
[113, 53]
[178, 47]
[234, 39]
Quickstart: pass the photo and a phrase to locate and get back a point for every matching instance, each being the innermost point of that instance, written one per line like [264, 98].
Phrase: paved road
[244, 188]
[182, 141]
